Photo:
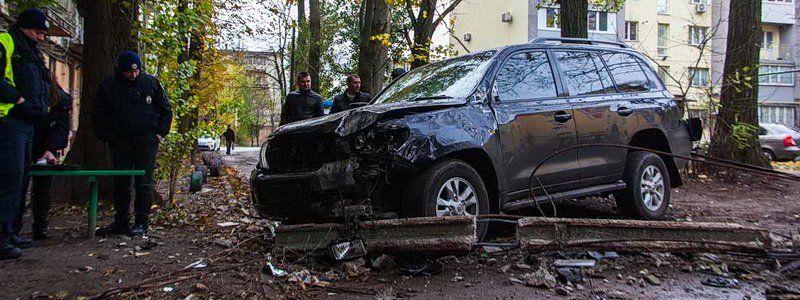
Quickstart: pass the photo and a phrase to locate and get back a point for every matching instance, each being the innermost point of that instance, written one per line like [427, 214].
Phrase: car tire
[422, 193]
[647, 195]
[769, 155]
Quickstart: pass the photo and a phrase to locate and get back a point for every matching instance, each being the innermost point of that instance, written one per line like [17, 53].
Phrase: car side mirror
[695, 129]
[357, 104]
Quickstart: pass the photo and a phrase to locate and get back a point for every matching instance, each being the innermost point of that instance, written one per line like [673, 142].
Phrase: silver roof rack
[544, 40]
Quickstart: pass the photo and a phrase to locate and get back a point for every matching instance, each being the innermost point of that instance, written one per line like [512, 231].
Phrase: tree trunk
[573, 18]
[300, 51]
[372, 54]
[107, 32]
[423, 31]
[314, 52]
[736, 130]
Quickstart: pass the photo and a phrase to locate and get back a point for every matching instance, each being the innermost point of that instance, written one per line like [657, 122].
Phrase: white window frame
[697, 34]
[662, 50]
[699, 81]
[781, 1]
[776, 79]
[631, 27]
[662, 9]
[611, 20]
[698, 1]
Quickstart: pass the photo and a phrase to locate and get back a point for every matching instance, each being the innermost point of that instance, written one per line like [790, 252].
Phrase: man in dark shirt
[352, 94]
[303, 103]
[230, 137]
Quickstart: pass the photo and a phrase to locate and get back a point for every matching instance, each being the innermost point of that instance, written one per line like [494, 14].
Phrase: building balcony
[63, 22]
[778, 53]
[777, 12]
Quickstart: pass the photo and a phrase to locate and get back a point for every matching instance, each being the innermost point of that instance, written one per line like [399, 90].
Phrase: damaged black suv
[463, 136]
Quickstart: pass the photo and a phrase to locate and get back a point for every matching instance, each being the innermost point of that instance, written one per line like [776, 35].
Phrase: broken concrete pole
[543, 234]
[428, 235]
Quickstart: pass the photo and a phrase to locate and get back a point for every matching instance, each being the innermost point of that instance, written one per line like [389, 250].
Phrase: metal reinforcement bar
[544, 234]
[396, 236]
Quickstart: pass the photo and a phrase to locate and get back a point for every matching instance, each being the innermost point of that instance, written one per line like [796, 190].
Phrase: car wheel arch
[656, 139]
[479, 160]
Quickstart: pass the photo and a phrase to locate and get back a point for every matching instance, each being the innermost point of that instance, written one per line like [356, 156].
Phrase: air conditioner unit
[506, 17]
[701, 8]
[467, 37]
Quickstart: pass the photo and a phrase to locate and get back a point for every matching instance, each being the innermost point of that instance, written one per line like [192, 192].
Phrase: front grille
[296, 153]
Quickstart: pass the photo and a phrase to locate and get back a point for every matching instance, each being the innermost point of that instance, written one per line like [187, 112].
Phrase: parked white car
[208, 143]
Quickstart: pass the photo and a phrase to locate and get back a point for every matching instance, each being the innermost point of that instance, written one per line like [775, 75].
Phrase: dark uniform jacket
[31, 76]
[301, 105]
[52, 133]
[130, 108]
[229, 135]
[341, 102]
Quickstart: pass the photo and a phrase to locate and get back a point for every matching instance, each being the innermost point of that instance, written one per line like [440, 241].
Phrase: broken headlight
[262, 157]
[348, 249]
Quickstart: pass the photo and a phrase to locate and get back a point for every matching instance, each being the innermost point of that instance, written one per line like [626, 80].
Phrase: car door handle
[562, 116]
[624, 111]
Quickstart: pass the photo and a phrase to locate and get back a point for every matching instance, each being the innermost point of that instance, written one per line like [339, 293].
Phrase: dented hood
[354, 120]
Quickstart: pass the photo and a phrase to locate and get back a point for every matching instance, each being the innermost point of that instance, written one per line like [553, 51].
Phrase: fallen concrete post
[544, 234]
[428, 235]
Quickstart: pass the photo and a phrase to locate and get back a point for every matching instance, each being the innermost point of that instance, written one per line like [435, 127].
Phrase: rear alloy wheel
[648, 187]
[449, 188]
[768, 154]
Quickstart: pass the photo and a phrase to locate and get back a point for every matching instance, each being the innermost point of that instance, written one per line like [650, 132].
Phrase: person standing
[23, 101]
[303, 103]
[230, 137]
[132, 115]
[352, 94]
[50, 135]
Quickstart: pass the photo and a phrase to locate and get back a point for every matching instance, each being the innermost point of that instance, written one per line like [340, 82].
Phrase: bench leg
[92, 206]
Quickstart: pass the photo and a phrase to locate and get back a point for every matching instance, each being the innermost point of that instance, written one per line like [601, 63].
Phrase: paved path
[244, 159]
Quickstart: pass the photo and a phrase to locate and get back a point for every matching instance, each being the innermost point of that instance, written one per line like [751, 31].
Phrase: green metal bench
[92, 176]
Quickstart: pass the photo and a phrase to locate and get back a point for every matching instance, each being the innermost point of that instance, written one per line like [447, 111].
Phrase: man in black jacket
[303, 103]
[23, 101]
[50, 135]
[132, 114]
[230, 137]
[352, 94]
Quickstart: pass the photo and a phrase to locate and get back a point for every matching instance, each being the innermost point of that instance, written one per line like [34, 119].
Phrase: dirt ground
[218, 228]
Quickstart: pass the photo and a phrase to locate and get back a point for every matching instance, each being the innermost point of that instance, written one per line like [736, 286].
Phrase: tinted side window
[526, 75]
[627, 72]
[605, 78]
[579, 73]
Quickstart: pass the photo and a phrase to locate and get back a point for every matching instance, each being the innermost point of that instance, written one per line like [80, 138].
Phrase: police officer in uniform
[352, 94]
[23, 101]
[132, 115]
[303, 103]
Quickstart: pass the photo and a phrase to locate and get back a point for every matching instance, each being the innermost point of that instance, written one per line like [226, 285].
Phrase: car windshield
[452, 78]
[777, 129]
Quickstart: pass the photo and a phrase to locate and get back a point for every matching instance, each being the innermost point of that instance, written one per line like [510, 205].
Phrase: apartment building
[778, 93]
[260, 65]
[63, 49]
[486, 24]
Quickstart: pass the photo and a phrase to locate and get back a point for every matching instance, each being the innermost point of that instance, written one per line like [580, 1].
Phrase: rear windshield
[452, 78]
[777, 129]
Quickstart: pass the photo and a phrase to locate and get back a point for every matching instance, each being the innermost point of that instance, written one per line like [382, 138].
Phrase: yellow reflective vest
[8, 43]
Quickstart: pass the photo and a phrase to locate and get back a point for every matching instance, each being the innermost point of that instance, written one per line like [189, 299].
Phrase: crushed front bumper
[303, 196]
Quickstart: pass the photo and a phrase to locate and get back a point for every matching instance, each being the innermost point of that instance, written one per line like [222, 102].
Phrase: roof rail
[544, 40]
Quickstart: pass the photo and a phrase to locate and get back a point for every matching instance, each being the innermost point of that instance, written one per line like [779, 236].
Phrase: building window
[698, 76]
[596, 20]
[777, 75]
[663, 39]
[662, 7]
[777, 114]
[698, 1]
[631, 31]
[780, 1]
[663, 72]
[697, 35]
[552, 18]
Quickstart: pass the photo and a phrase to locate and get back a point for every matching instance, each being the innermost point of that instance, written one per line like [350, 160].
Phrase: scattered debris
[168, 289]
[574, 263]
[540, 279]
[418, 266]
[569, 274]
[721, 282]
[602, 255]
[227, 224]
[652, 279]
[196, 265]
